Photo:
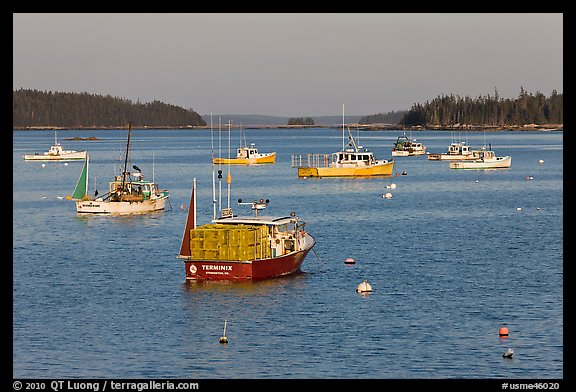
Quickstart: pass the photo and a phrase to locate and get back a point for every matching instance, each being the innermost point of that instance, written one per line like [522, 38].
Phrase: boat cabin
[247, 152]
[459, 149]
[486, 155]
[56, 149]
[132, 188]
[350, 156]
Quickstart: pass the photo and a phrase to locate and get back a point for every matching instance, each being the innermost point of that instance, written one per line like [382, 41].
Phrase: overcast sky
[289, 64]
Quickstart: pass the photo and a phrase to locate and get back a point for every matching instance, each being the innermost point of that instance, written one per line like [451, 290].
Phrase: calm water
[450, 258]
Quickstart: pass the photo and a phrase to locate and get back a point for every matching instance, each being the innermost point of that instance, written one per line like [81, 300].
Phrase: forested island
[43, 109]
[33, 109]
[449, 111]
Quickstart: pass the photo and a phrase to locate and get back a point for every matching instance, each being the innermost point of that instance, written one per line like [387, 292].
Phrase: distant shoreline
[365, 127]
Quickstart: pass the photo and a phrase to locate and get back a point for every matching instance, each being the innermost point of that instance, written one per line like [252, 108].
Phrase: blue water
[450, 258]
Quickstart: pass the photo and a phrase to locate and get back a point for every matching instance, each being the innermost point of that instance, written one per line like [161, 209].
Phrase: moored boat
[247, 155]
[486, 160]
[128, 192]
[457, 151]
[241, 248]
[352, 161]
[406, 146]
[57, 153]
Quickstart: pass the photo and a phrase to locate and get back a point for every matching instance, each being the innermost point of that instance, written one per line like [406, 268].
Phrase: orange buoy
[349, 260]
[503, 332]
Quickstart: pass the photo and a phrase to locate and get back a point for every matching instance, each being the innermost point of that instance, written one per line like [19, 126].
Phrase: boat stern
[308, 172]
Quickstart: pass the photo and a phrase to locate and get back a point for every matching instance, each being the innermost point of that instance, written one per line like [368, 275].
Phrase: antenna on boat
[219, 164]
[343, 127]
[213, 170]
[229, 176]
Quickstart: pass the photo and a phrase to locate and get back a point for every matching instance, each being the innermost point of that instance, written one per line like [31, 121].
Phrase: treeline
[308, 121]
[450, 110]
[384, 118]
[33, 108]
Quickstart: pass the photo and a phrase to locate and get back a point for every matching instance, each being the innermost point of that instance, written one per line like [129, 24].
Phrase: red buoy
[503, 332]
[349, 260]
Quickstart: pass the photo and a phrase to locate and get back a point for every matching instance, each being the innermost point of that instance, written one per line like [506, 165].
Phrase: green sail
[82, 185]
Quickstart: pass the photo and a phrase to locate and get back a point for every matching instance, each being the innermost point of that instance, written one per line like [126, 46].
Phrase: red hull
[246, 270]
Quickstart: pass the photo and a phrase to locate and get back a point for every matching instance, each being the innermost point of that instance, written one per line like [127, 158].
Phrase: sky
[289, 64]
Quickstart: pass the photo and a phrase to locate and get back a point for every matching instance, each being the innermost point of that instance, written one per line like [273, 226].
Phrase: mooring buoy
[364, 287]
[223, 338]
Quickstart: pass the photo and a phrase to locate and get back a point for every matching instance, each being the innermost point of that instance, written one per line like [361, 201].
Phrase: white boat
[487, 160]
[457, 151]
[128, 192]
[406, 147]
[57, 153]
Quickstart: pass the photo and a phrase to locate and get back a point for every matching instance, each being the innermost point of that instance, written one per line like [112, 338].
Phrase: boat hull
[384, 169]
[120, 207]
[268, 159]
[76, 156]
[498, 163]
[199, 270]
[405, 153]
[449, 157]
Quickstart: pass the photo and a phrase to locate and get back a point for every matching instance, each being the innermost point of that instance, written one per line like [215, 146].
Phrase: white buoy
[43, 165]
[508, 353]
[65, 163]
[476, 181]
[518, 208]
[223, 338]
[387, 195]
[540, 161]
[364, 287]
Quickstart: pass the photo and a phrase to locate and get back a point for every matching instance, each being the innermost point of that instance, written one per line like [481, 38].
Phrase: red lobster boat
[241, 248]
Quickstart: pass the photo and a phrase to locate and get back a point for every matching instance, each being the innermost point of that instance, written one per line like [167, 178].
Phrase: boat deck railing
[312, 160]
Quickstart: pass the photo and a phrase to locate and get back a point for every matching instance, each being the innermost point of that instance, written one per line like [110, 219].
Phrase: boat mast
[342, 127]
[126, 157]
[220, 164]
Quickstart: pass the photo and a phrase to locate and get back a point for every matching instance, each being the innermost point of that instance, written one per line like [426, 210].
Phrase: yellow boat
[345, 163]
[352, 161]
[247, 156]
